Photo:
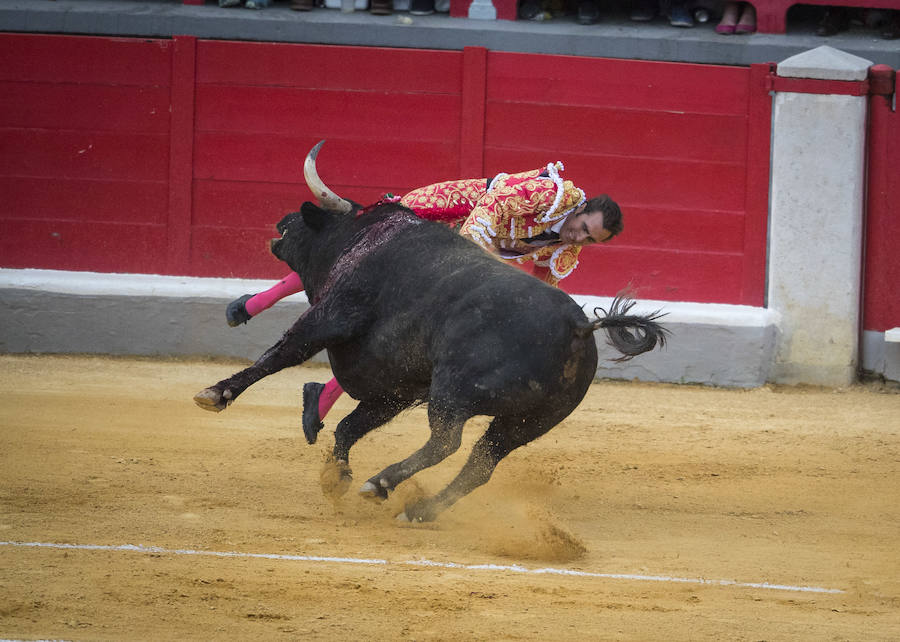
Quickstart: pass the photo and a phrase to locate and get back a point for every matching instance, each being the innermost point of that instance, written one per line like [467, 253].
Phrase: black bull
[409, 311]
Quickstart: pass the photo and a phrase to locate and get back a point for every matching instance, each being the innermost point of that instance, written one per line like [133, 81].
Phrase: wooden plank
[682, 184]
[756, 200]
[84, 107]
[81, 60]
[334, 67]
[657, 274]
[342, 162]
[682, 230]
[881, 303]
[328, 113]
[624, 84]
[626, 132]
[84, 154]
[245, 204]
[88, 201]
[76, 245]
[181, 155]
[236, 252]
[472, 112]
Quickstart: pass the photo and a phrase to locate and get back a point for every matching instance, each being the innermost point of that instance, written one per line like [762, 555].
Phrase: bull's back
[476, 326]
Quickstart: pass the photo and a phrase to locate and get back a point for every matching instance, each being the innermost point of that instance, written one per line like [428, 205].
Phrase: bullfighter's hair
[612, 215]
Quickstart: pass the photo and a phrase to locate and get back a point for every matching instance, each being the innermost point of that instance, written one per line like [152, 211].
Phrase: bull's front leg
[310, 334]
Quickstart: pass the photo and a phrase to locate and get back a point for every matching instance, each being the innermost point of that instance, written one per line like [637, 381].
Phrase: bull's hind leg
[503, 435]
[446, 436]
[367, 416]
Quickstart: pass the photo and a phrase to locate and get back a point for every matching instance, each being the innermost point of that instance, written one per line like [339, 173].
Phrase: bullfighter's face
[582, 227]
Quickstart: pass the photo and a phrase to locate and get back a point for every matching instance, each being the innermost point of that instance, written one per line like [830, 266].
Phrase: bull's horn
[327, 199]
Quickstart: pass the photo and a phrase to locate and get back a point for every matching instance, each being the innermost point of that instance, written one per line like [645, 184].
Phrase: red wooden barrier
[881, 296]
[177, 157]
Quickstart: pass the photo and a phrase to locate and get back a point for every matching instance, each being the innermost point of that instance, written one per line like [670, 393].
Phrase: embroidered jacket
[518, 207]
[506, 216]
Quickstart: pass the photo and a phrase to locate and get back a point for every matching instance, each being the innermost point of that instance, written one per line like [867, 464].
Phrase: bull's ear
[314, 216]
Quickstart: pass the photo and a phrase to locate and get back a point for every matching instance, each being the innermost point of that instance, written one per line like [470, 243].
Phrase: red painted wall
[178, 156]
[881, 293]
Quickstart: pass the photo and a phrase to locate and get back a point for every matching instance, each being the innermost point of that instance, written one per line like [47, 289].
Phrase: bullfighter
[529, 216]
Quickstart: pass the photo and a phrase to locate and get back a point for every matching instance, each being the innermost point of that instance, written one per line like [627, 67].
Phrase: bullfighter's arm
[554, 263]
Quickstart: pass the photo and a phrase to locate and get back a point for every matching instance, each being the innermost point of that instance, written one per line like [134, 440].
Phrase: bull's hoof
[422, 510]
[213, 399]
[335, 478]
[374, 492]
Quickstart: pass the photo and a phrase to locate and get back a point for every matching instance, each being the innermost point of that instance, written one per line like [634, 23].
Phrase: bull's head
[300, 236]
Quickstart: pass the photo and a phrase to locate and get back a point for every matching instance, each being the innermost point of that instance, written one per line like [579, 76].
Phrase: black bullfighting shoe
[312, 423]
[236, 312]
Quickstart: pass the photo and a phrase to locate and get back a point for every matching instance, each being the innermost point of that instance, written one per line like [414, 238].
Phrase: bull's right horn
[327, 199]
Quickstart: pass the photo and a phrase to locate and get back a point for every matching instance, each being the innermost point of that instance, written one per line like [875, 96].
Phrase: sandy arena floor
[798, 487]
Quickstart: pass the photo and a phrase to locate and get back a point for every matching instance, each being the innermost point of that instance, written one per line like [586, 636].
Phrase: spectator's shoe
[236, 312]
[229, 3]
[747, 23]
[531, 10]
[643, 10]
[421, 7]
[588, 13]
[680, 16]
[312, 423]
[834, 21]
[302, 5]
[381, 7]
[256, 4]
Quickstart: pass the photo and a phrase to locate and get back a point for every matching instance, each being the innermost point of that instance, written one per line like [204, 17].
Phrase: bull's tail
[630, 334]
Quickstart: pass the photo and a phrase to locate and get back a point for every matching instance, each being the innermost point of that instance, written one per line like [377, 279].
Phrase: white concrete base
[47, 311]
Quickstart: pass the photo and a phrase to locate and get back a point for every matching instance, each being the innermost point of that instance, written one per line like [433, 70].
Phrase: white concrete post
[816, 221]
[482, 10]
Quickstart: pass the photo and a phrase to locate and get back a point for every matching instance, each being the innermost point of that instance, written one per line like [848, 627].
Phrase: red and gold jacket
[505, 215]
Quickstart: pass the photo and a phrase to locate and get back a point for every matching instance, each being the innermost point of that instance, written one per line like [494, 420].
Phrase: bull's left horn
[327, 199]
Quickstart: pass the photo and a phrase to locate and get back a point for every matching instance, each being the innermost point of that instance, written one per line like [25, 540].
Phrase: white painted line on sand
[514, 568]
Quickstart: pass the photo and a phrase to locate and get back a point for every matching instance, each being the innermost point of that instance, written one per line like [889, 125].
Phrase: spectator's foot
[312, 423]
[531, 10]
[747, 23]
[834, 21]
[229, 3]
[729, 20]
[680, 16]
[236, 312]
[421, 7]
[588, 12]
[381, 7]
[643, 10]
[302, 5]
[256, 4]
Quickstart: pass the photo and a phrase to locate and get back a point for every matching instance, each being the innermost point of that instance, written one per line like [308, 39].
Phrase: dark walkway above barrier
[614, 37]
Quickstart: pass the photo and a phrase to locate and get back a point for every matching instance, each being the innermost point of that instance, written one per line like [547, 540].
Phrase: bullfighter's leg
[504, 435]
[318, 399]
[248, 306]
[367, 416]
[446, 436]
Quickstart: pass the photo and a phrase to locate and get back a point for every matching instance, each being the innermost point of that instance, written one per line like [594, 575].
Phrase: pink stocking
[264, 300]
[328, 396]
